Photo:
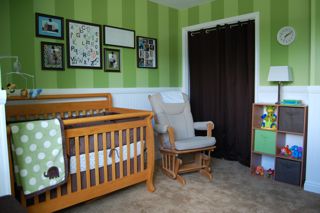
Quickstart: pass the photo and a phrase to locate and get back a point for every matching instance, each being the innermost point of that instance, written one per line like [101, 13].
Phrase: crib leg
[150, 185]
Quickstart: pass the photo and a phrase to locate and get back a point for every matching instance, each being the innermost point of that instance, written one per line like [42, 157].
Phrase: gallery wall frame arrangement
[52, 56]
[117, 36]
[83, 45]
[49, 26]
[112, 60]
[147, 56]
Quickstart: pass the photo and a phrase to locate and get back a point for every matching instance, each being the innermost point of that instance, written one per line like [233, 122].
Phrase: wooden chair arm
[171, 137]
[210, 127]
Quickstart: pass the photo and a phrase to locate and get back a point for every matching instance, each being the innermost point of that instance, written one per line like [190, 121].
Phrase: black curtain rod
[207, 30]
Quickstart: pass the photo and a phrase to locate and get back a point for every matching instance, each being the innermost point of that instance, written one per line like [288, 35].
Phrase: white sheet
[73, 162]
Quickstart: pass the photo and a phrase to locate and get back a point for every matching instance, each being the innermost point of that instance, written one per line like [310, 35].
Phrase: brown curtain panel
[221, 64]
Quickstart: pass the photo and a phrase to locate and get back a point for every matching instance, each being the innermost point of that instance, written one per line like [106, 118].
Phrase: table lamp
[280, 74]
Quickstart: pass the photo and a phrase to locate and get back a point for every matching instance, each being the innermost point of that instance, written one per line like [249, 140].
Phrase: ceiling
[181, 4]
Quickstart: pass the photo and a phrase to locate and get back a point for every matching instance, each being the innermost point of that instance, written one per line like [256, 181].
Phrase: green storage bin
[265, 142]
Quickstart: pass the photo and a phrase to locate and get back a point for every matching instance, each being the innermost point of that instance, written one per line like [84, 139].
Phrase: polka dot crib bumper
[39, 155]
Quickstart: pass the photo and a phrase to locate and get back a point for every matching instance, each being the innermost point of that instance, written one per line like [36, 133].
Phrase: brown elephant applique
[53, 172]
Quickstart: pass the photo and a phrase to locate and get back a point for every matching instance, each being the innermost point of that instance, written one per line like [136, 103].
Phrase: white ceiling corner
[181, 4]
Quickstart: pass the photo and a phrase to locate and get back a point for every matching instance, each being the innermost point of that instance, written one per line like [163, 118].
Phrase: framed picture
[49, 26]
[112, 60]
[52, 57]
[116, 36]
[147, 52]
[84, 45]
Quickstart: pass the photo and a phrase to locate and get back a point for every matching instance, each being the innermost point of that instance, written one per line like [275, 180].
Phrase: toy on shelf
[286, 151]
[270, 172]
[260, 170]
[269, 118]
[296, 151]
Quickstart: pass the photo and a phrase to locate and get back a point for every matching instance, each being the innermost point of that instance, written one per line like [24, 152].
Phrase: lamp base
[279, 87]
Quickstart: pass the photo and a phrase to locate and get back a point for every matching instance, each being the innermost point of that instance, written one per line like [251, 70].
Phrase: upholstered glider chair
[176, 129]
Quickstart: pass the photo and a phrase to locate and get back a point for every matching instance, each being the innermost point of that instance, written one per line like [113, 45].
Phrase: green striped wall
[146, 18]
[315, 43]
[150, 19]
[273, 15]
[5, 47]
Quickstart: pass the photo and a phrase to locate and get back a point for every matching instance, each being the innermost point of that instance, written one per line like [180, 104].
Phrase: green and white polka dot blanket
[38, 155]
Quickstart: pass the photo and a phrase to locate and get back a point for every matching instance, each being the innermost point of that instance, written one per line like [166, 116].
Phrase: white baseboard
[312, 187]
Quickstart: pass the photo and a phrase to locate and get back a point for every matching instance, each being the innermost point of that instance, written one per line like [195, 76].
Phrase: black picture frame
[113, 65]
[51, 27]
[79, 53]
[52, 56]
[147, 56]
[119, 37]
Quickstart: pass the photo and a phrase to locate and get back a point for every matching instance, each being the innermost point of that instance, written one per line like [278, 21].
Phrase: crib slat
[86, 150]
[78, 163]
[69, 182]
[105, 165]
[67, 141]
[36, 199]
[113, 157]
[128, 152]
[135, 161]
[23, 199]
[95, 139]
[59, 192]
[142, 149]
[48, 195]
[121, 153]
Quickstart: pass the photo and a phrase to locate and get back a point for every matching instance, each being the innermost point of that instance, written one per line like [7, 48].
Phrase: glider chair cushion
[176, 115]
[175, 126]
[197, 142]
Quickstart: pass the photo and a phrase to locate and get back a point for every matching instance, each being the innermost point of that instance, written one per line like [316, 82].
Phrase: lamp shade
[280, 74]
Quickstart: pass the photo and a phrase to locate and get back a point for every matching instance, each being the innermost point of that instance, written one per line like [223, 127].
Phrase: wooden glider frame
[172, 160]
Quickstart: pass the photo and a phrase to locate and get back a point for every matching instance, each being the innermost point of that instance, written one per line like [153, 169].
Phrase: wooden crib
[91, 125]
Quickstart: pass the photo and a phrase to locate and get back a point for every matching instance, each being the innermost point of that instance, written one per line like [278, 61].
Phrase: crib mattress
[101, 163]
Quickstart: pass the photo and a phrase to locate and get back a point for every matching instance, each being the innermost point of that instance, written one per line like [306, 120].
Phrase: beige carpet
[233, 189]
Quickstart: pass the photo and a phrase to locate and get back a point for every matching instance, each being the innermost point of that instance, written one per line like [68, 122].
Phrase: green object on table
[265, 142]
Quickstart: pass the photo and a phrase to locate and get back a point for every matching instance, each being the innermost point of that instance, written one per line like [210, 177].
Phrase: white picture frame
[119, 37]
[84, 45]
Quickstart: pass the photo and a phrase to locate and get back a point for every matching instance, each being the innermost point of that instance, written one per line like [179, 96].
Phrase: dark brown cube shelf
[291, 123]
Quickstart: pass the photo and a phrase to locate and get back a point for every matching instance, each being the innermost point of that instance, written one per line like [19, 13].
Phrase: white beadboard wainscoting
[4, 160]
[135, 98]
[310, 95]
